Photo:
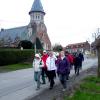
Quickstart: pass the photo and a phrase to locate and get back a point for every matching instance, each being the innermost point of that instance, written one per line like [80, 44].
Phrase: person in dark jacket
[77, 63]
[63, 69]
[81, 59]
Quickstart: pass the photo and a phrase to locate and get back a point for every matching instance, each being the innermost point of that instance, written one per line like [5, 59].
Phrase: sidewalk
[19, 85]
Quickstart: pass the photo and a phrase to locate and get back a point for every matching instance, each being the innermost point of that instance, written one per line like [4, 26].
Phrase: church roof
[14, 32]
[37, 7]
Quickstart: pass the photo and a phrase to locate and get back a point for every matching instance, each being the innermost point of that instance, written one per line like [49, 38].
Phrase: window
[38, 17]
[82, 45]
[77, 46]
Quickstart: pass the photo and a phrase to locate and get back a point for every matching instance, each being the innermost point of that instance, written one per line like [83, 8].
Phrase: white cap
[44, 51]
[37, 55]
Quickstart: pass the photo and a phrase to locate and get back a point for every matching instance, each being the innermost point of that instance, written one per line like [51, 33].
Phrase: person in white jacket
[51, 68]
[37, 65]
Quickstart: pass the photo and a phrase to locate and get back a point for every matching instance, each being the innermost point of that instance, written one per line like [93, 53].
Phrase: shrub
[12, 56]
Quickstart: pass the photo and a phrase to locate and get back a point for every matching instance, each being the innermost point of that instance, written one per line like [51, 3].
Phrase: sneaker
[43, 83]
[51, 88]
[37, 88]
[77, 74]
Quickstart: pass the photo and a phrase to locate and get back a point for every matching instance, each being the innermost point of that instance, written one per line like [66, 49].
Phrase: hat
[37, 55]
[44, 51]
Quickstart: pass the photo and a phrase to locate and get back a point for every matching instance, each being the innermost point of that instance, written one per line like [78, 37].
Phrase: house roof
[77, 44]
[37, 7]
[14, 32]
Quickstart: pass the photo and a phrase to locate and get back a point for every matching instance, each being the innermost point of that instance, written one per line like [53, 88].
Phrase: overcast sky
[67, 21]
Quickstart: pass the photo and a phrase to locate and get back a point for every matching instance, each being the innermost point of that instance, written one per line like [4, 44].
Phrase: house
[76, 47]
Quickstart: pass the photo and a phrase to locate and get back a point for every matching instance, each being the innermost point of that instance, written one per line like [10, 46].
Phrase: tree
[25, 44]
[96, 34]
[57, 47]
[98, 49]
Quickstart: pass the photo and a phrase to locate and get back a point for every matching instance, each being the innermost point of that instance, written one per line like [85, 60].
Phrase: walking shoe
[51, 88]
[77, 74]
[37, 88]
[43, 83]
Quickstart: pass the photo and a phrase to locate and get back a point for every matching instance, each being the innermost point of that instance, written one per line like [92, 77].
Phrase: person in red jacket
[70, 59]
[44, 68]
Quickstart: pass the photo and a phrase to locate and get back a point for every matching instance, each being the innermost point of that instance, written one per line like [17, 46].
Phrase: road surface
[19, 85]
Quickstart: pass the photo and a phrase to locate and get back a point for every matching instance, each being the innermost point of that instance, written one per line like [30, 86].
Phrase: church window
[38, 17]
[33, 16]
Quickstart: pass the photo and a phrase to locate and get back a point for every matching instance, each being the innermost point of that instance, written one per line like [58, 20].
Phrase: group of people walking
[49, 66]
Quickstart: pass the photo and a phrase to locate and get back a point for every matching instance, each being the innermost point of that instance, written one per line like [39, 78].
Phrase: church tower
[37, 25]
[37, 13]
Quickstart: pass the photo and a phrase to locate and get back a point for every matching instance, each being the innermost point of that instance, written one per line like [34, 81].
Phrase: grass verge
[88, 90]
[15, 67]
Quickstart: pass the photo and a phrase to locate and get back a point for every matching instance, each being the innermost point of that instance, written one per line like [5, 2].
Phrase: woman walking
[63, 69]
[37, 65]
[51, 68]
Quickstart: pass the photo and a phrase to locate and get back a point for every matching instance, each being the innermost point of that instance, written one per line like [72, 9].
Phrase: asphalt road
[19, 85]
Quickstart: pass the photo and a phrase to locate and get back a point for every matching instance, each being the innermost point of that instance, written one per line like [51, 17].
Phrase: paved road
[19, 85]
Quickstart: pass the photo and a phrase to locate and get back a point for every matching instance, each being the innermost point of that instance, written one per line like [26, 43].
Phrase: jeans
[62, 78]
[37, 78]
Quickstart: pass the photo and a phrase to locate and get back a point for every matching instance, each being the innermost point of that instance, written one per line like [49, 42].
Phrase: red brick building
[83, 47]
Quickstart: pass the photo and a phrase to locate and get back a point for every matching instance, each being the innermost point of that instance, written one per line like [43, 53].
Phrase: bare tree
[96, 37]
[57, 47]
[98, 49]
[96, 34]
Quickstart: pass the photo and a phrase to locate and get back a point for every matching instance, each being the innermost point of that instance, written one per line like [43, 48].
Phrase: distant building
[83, 47]
[36, 28]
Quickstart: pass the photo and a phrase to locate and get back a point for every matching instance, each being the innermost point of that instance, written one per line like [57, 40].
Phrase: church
[35, 31]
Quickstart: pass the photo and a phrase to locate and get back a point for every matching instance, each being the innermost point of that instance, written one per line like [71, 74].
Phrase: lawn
[88, 90]
[14, 67]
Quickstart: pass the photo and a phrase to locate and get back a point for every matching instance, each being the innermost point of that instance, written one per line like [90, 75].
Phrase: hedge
[12, 56]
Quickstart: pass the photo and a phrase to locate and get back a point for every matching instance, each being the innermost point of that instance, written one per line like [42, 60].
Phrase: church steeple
[37, 7]
[37, 13]
[36, 27]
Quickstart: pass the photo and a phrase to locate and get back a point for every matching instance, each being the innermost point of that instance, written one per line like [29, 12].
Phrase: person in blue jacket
[63, 69]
